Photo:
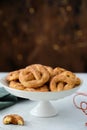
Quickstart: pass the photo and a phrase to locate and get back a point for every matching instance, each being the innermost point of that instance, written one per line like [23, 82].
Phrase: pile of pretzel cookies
[41, 78]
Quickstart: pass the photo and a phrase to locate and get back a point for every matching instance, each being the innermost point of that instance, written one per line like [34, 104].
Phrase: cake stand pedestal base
[44, 109]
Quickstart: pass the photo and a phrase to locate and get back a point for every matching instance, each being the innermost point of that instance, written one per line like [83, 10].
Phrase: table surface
[68, 117]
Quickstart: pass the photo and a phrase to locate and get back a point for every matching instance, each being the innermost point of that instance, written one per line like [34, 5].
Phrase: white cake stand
[44, 107]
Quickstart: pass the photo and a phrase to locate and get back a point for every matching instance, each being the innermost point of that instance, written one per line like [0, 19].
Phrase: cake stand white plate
[44, 107]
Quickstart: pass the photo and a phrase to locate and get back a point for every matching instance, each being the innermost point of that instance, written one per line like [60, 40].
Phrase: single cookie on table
[13, 119]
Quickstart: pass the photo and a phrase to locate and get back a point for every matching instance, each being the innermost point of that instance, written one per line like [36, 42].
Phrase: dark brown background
[49, 32]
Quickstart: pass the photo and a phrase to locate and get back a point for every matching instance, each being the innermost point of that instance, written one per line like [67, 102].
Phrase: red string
[86, 124]
[81, 104]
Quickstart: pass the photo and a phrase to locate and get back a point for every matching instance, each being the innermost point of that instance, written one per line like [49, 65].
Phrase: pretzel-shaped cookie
[40, 73]
[49, 69]
[71, 76]
[58, 70]
[14, 75]
[66, 79]
[16, 85]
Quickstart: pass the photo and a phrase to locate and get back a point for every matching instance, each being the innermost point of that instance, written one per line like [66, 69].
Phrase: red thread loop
[83, 104]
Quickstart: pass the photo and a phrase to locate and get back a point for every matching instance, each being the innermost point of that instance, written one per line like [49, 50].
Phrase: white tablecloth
[68, 117]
